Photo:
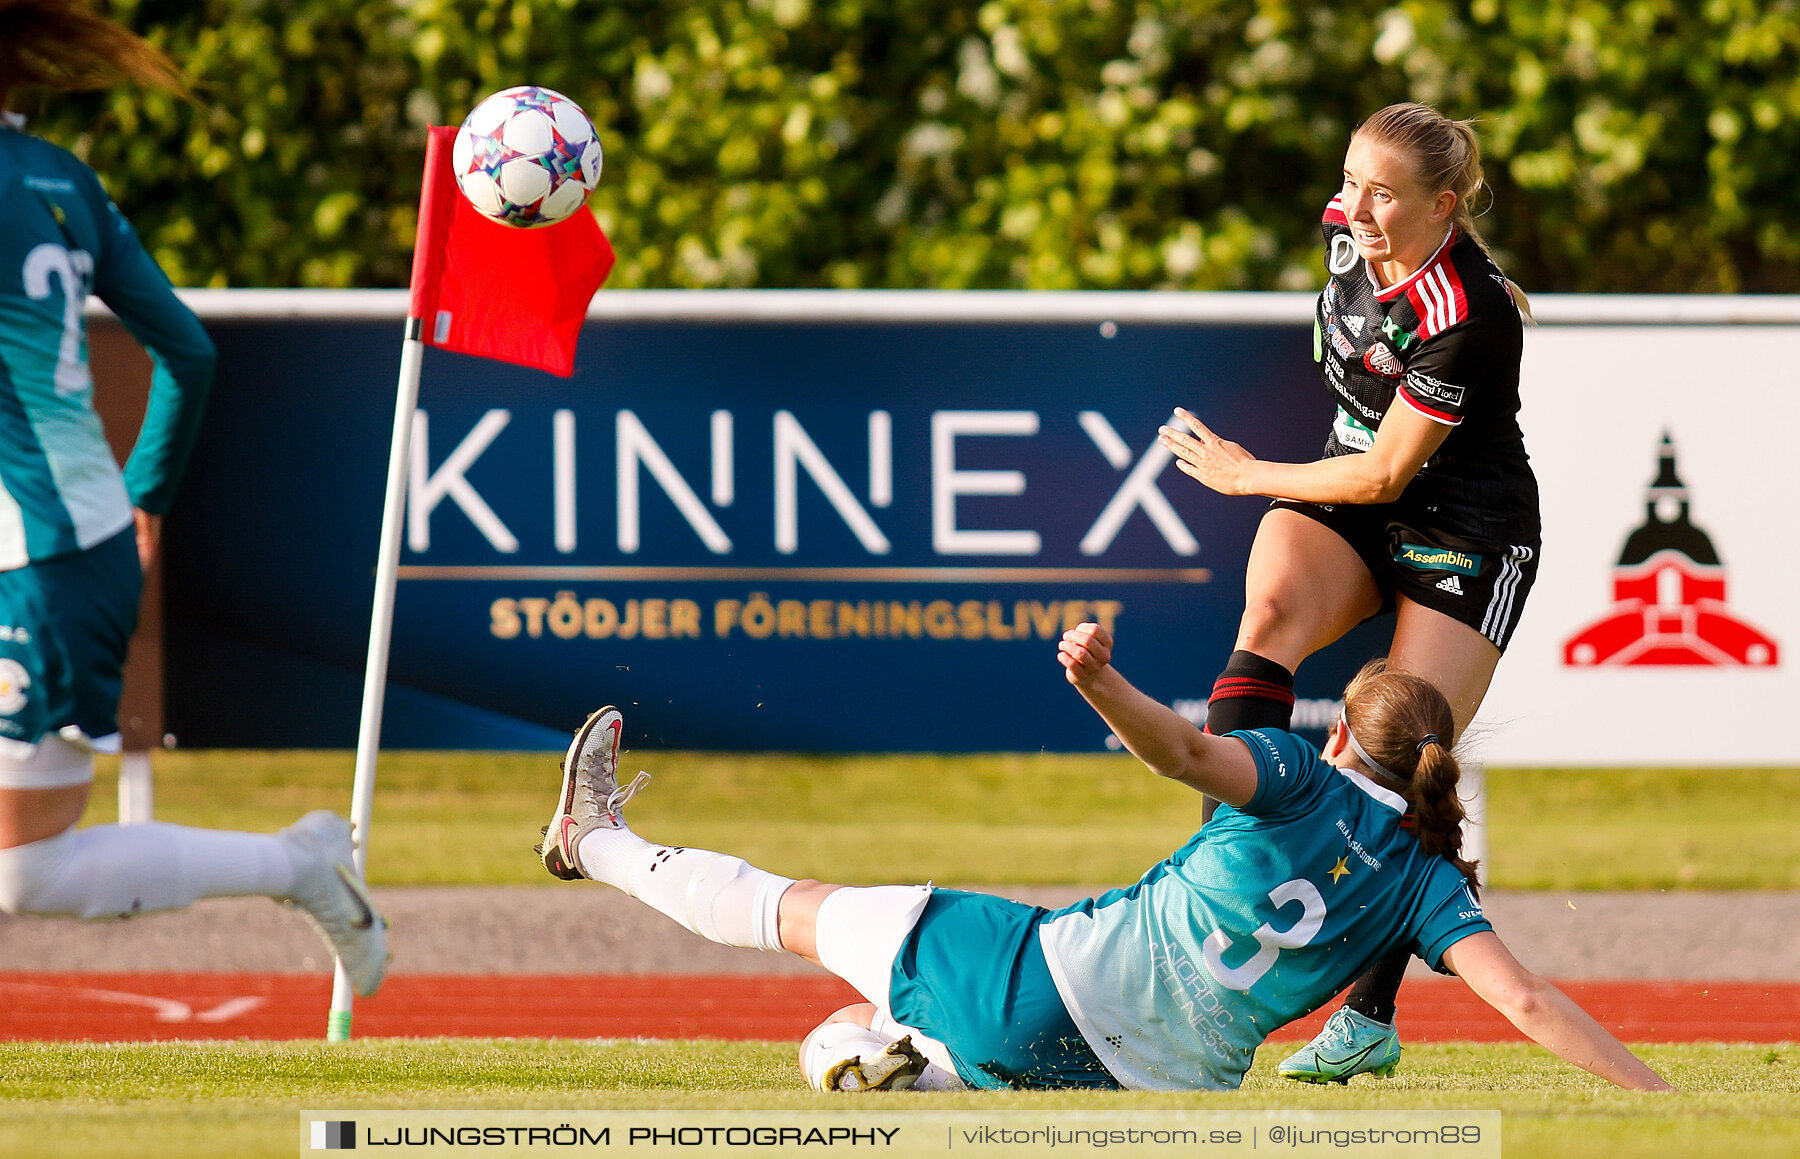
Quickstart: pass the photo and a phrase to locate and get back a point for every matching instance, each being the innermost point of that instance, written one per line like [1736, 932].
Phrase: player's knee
[1269, 618]
[861, 1013]
[856, 1014]
[799, 904]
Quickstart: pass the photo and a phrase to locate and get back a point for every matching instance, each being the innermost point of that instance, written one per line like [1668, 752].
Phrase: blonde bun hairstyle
[1446, 154]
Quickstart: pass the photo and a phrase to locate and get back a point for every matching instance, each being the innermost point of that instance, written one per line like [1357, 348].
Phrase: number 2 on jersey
[1270, 941]
[72, 268]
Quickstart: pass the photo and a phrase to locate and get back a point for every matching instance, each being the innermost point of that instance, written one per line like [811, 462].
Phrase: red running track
[150, 1006]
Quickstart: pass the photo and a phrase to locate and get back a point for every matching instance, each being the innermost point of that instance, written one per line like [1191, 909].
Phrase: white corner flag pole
[381, 630]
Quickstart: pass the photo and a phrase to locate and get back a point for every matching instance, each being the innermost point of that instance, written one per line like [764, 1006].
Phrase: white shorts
[858, 936]
[52, 763]
[860, 931]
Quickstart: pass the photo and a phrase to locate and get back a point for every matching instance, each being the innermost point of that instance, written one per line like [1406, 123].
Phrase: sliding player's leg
[961, 978]
[974, 989]
[717, 896]
[727, 900]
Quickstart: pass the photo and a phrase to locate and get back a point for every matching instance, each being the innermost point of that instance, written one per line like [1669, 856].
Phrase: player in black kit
[1424, 503]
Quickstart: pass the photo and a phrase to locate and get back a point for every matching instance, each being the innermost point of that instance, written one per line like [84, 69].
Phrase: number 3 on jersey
[72, 268]
[1270, 941]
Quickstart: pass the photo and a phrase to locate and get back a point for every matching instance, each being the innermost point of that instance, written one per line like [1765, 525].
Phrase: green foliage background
[1634, 145]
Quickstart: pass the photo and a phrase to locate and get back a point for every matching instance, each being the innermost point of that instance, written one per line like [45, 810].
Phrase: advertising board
[858, 522]
[1666, 609]
[796, 533]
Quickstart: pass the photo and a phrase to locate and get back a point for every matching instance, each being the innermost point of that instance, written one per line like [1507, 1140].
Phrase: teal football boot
[1349, 1045]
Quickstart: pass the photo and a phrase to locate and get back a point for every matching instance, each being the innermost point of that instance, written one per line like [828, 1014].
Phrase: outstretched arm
[1156, 734]
[1548, 1016]
[1403, 442]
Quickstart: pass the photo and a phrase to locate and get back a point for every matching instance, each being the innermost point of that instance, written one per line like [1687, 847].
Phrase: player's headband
[1363, 753]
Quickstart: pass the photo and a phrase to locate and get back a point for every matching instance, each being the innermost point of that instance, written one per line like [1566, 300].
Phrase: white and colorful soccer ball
[527, 156]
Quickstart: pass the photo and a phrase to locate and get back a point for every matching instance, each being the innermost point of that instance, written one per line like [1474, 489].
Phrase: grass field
[470, 818]
[454, 818]
[244, 1099]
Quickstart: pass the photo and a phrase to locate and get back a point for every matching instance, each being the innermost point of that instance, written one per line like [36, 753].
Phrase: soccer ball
[527, 156]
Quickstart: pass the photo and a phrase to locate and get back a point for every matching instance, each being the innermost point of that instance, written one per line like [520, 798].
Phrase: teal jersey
[1260, 918]
[60, 488]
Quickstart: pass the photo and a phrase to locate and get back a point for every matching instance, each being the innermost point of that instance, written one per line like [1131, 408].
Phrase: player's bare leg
[799, 918]
[1303, 588]
[1458, 660]
[28, 815]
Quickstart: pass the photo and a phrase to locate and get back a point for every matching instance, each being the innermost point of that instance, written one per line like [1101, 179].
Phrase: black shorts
[1478, 582]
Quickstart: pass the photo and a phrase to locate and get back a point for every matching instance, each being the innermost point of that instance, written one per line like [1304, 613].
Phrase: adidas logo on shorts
[1450, 584]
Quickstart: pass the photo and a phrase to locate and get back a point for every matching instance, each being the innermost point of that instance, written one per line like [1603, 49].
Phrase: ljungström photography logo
[333, 1136]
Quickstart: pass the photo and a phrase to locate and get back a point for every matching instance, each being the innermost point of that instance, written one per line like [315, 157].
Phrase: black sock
[1252, 692]
[1376, 992]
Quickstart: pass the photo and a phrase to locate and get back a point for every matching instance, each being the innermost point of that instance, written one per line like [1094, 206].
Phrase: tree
[1643, 146]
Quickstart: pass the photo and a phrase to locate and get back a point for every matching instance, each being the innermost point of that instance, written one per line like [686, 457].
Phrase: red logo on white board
[1669, 595]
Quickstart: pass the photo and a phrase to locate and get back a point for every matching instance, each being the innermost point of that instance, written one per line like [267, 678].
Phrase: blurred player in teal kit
[75, 533]
[1303, 877]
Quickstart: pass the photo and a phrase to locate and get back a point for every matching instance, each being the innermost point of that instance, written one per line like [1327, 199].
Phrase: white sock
[719, 897]
[116, 871]
[834, 1042]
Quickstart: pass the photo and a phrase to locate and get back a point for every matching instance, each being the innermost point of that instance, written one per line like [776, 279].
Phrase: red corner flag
[499, 291]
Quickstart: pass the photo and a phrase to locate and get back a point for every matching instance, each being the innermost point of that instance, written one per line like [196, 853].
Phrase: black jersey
[1445, 342]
